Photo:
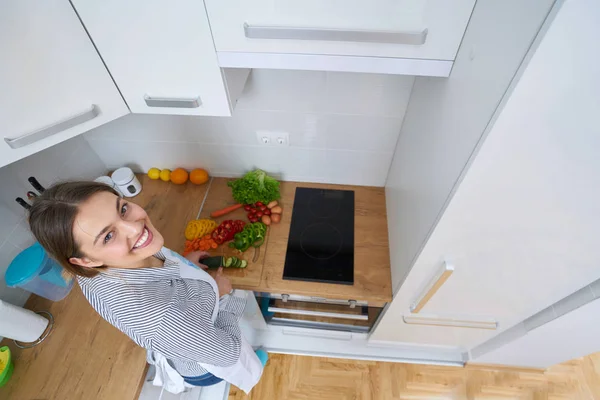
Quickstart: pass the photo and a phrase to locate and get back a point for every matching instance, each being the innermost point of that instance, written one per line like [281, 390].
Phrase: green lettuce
[255, 186]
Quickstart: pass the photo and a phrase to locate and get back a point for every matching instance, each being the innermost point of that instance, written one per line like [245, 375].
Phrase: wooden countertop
[372, 276]
[86, 358]
[171, 206]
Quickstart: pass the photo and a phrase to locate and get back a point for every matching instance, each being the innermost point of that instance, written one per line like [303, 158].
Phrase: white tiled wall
[73, 159]
[343, 128]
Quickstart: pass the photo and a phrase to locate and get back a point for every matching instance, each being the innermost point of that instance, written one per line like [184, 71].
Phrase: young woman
[134, 282]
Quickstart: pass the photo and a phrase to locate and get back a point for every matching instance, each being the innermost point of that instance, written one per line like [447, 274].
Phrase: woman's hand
[223, 282]
[197, 256]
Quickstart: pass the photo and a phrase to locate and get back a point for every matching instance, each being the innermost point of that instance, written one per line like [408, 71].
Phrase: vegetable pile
[253, 235]
[198, 228]
[226, 231]
[253, 187]
[202, 243]
[227, 262]
[265, 213]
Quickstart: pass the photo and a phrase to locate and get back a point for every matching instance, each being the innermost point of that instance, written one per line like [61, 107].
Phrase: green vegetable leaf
[255, 186]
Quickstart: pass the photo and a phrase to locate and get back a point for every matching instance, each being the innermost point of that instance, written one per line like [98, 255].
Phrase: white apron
[246, 372]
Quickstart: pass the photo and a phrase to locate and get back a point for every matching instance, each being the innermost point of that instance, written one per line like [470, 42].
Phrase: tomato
[253, 219]
[247, 207]
[258, 204]
[267, 212]
[262, 208]
[259, 214]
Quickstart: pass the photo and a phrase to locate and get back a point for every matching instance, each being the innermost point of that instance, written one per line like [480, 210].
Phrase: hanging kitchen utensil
[36, 185]
[23, 203]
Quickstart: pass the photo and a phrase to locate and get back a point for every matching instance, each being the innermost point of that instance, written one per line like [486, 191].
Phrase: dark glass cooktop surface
[321, 243]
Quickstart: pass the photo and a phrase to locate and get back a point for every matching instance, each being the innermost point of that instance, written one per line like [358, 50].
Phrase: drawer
[419, 29]
[319, 315]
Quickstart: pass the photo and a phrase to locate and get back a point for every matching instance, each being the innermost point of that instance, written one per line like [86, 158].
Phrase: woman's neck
[153, 262]
[150, 262]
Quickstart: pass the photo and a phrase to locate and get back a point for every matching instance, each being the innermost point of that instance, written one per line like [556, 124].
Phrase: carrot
[207, 237]
[213, 245]
[226, 210]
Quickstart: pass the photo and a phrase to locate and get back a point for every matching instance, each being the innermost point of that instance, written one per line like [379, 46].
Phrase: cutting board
[219, 197]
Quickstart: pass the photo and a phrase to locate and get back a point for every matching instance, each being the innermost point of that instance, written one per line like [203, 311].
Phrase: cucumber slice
[244, 264]
[212, 262]
[238, 262]
[228, 262]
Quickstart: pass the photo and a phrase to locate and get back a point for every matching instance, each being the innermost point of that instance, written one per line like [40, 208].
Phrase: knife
[23, 203]
[36, 185]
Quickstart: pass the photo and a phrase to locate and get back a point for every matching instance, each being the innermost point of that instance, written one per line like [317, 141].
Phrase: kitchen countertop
[85, 357]
[372, 276]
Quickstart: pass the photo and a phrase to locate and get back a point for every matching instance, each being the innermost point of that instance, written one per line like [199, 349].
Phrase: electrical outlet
[281, 138]
[273, 138]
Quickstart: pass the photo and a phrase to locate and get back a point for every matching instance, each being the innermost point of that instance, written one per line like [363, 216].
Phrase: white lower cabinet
[54, 85]
[161, 56]
[569, 336]
[521, 231]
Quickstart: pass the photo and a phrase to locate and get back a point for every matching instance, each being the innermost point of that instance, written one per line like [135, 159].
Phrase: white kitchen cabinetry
[415, 37]
[161, 56]
[54, 85]
[522, 229]
[572, 335]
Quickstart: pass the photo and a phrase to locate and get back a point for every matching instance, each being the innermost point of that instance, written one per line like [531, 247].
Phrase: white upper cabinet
[53, 83]
[387, 35]
[161, 56]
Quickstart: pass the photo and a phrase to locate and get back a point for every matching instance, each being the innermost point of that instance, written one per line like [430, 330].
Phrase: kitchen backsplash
[343, 128]
[73, 159]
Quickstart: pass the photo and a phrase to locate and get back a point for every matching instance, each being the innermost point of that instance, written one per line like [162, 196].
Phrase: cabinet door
[523, 228]
[160, 54]
[54, 85]
[421, 29]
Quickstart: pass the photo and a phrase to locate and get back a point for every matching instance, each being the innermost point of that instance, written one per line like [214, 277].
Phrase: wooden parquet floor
[288, 377]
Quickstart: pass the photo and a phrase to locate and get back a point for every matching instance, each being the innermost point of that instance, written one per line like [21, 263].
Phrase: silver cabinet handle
[336, 35]
[451, 320]
[359, 317]
[432, 287]
[55, 128]
[352, 303]
[285, 297]
[172, 102]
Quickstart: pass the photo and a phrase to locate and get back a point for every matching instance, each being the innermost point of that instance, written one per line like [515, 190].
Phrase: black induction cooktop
[321, 243]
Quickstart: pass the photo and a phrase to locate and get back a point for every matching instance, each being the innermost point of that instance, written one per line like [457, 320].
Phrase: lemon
[165, 175]
[154, 173]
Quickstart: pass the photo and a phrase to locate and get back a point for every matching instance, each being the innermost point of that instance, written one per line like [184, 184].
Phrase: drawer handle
[172, 102]
[458, 322]
[334, 35]
[317, 313]
[432, 287]
[55, 128]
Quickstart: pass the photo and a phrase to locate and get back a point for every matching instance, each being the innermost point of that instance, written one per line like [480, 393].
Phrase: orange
[199, 176]
[179, 176]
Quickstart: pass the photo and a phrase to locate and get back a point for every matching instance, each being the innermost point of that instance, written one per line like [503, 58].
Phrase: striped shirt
[162, 312]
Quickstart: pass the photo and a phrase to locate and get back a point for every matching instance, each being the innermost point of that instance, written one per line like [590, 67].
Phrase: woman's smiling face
[113, 232]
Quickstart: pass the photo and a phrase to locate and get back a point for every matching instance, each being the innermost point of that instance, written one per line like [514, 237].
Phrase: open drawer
[319, 315]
